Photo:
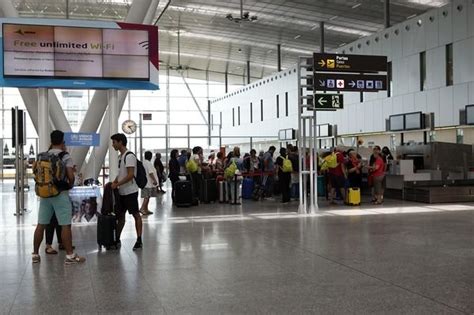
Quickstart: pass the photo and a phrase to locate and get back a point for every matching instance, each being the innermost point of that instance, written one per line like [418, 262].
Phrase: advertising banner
[78, 54]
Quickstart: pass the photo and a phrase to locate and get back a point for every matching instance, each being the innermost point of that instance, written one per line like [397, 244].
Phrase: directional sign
[328, 101]
[349, 82]
[349, 63]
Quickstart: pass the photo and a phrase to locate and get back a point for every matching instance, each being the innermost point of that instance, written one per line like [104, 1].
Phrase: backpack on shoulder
[141, 178]
[191, 166]
[50, 175]
[287, 165]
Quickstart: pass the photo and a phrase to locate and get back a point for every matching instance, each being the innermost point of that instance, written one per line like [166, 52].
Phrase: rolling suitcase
[107, 231]
[353, 196]
[248, 187]
[208, 191]
[183, 193]
[106, 220]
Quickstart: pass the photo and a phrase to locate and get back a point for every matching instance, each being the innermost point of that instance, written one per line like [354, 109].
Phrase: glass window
[286, 104]
[389, 78]
[422, 71]
[449, 65]
[238, 115]
[251, 113]
[278, 105]
[233, 117]
[261, 110]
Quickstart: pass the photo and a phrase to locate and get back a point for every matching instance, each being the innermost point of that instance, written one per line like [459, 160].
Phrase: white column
[113, 129]
[43, 119]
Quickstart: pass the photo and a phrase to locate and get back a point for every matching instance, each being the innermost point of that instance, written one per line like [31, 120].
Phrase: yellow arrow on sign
[322, 63]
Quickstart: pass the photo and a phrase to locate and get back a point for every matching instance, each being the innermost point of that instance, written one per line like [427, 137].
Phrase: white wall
[266, 90]
[453, 23]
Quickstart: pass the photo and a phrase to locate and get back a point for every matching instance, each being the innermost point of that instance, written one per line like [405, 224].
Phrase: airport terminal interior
[297, 156]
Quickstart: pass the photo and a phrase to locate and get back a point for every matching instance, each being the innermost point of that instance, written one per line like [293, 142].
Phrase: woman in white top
[151, 185]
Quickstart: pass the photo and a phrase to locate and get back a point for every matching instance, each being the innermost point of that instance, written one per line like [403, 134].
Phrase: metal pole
[189, 139]
[167, 145]
[22, 164]
[279, 57]
[301, 208]
[17, 164]
[67, 9]
[387, 13]
[220, 136]
[141, 135]
[209, 121]
[113, 129]
[311, 164]
[248, 71]
[321, 29]
[21, 183]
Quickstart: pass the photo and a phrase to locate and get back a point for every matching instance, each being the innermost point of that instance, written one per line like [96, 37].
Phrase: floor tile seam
[18, 289]
[369, 275]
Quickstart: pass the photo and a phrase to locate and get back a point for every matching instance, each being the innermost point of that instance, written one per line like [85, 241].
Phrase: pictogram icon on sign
[331, 64]
[340, 84]
[322, 63]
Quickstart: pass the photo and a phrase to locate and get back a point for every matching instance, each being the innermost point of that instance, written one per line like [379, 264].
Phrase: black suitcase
[183, 190]
[208, 191]
[107, 231]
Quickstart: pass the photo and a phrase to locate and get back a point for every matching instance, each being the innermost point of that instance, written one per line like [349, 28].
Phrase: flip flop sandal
[50, 251]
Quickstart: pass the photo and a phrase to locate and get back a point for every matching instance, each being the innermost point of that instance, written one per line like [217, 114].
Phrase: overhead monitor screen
[413, 121]
[281, 135]
[397, 123]
[75, 52]
[470, 115]
[324, 130]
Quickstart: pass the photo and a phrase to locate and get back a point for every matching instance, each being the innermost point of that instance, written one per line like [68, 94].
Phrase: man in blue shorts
[59, 205]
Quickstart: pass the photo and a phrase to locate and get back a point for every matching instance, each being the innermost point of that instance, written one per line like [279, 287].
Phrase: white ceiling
[209, 41]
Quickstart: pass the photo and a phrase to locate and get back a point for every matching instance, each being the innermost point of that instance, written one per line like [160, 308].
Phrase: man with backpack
[285, 168]
[54, 176]
[127, 184]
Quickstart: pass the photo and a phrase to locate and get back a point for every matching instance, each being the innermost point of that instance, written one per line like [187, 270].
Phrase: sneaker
[148, 212]
[35, 258]
[137, 245]
[74, 260]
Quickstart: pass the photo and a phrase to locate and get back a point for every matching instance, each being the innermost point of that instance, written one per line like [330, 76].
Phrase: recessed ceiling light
[356, 5]
[315, 26]
[297, 36]
[333, 18]
[411, 16]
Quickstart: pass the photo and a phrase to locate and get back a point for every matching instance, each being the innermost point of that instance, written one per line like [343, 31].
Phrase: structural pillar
[279, 57]
[113, 127]
[387, 13]
[321, 29]
[43, 120]
[248, 71]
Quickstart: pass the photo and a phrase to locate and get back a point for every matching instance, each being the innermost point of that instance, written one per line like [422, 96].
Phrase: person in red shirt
[337, 178]
[378, 174]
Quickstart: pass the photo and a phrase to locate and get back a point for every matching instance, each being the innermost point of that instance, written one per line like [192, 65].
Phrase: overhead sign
[349, 63]
[329, 101]
[349, 82]
[82, 139]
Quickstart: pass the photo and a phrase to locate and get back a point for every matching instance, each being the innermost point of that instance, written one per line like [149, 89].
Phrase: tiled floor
[402, 258]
